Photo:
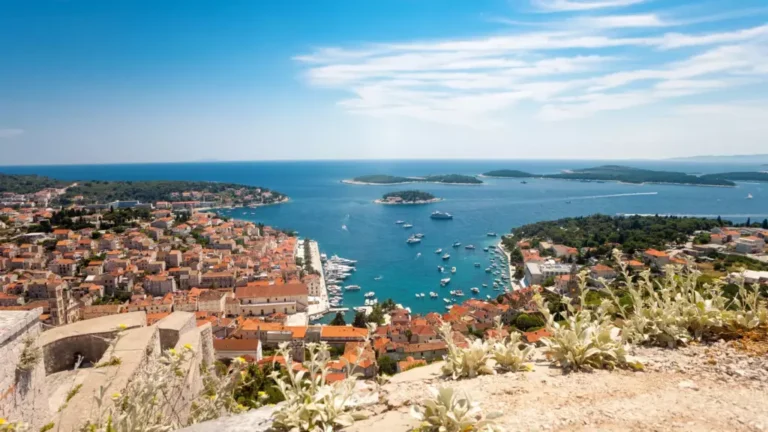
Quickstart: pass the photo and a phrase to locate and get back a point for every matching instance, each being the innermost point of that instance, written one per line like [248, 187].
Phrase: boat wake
[418, 255]
[612, 195]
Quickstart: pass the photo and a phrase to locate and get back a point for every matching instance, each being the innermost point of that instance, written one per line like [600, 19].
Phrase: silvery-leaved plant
[507, 352]
[465, 362]
[311, 403]
[450, 411]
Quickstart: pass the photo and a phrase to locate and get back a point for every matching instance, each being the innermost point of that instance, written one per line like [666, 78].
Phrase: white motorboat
[378, 278]
[439, 251]
[453, 269]
[400, 222]
[446, 256]
[370, 294]
[445, 281]
[406, 226]
[469, 247]
[413, 240]
[475, 290]
[456, 244]
[352, 288]
[419, 235]
[432, 294]
[440, 269]
[749, 196]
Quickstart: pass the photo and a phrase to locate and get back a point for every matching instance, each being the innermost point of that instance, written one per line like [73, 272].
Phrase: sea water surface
[345, 221]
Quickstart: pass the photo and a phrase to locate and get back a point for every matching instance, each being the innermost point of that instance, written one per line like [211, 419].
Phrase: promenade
[317, 264]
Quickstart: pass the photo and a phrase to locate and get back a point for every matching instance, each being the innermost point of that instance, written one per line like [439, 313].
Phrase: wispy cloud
[582, 5]
[10, 133]
[572, 72]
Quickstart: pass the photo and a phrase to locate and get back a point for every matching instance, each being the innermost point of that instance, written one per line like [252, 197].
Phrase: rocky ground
[712, 387]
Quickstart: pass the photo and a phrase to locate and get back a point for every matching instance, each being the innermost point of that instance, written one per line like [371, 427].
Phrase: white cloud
[582, 5]
[10, 133]
[574, 71]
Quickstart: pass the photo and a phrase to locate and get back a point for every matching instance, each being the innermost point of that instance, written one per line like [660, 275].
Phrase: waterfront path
[323, 305]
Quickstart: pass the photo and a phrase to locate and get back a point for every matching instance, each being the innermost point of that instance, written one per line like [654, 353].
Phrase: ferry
[446, 256]
[445, 281]
[352, 288]
[491, 234]
[406, 226]
[453, 269]
[432, 294]
[456, 244]
[413, 240]
[438, 251]
[441, 215]
[400, 222]
[469, 247]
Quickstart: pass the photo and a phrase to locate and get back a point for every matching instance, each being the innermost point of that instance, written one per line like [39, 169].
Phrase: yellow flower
[122, 326]
[188, 347]
[212, 397]
[2, 421]
[239, 360]
[262, 393]
[172, 351]
[116, 395]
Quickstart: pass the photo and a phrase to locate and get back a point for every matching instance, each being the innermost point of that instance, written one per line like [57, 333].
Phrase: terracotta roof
[655, 253]
[290, 289]
[342, 332]
[432, 346]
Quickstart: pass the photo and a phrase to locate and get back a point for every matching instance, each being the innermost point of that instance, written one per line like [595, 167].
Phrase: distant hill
[746, 159]
[637, 175]
[388, 179]
[24, 184]
[740, 176]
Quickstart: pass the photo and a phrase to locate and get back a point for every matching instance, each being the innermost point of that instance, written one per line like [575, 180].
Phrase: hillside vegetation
[637, 175]
[508, 173]
[24, 184]
[409, 196]
[632, 232]
[441, 178]
[740, 176]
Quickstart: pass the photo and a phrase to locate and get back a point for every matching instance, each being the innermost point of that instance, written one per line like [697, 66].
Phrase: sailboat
[749, 196]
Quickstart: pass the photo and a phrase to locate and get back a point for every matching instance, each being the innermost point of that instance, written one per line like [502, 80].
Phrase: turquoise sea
[345, 221]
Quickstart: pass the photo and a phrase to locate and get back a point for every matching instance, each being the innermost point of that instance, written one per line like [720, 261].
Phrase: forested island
[508, 173]
[98, 191]
[383, 179]
[408, 197]
[638, 175]
[632, 233]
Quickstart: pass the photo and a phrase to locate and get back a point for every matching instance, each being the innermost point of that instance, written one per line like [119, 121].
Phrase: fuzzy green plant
[510, 353]
[587, 339]
[447, 410]
[311, 403]
[466, 362]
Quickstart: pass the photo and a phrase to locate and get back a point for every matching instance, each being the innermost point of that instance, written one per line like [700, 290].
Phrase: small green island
[383, 179]
[627, 174]
[408, 197]
[508, 173]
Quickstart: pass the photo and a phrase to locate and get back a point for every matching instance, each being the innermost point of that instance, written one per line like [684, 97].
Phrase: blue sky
[135, 81]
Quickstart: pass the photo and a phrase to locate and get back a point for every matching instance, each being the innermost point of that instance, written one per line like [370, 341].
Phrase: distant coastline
[432, 201]
[359, 183]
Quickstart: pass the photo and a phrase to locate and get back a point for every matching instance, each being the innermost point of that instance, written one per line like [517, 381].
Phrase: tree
[338, 320]
[359, 320]
[765, 223]
[719, 221]
[526, 322]
[376, 315]
[749, 222]
[549, 281]
[387, 366]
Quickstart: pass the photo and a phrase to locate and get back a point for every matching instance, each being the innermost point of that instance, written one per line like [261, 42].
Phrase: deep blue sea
[321, 205]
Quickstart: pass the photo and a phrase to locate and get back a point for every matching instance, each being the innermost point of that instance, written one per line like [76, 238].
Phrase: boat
[432, 294]
[369, 294]
[523, 182]
[449, 307]
[441, 215]
[469, 247]
[487, 269]
[477, 264]
[419, 235]
[339, 260]
[749, 196]
[446, 256]
[485, 285]
[378, 278]
[475, 290]
[440, 269]
[488, 297]
[457, 293]
[352, 288]
[413, 240]
[447, 300]
[485, 249]
[453, 269]
[456, 244]
[491, 234]
[438, 251]
[445, 281]
[406, 226]
[400, 222]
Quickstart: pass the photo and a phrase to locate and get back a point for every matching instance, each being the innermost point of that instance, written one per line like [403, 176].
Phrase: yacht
[446, 256]
[469, 247]
[445, 281]
[477, 264]
[456, 244]
[475, 290]
[370, 294]
[457, 293]
[453, 269]
[337, 259]
[406, 226]
[488, 297]
[438, 251]
[491, 234]
[485, 285]
[487, 269]
[412, 240]
[447, 300]
[432, 294]
[419, 235]
[441, 215]
[400, 222]
[352, 288]
[485, 249]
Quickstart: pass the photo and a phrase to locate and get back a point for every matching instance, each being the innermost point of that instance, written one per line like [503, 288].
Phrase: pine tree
[359, 321]
[749, 222]
[719, 221]
[338, 320]
[765, 223]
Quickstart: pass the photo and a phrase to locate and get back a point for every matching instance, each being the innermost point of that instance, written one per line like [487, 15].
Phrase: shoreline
[208, 209]
[432, 201]
[606, 181]
[359, 183]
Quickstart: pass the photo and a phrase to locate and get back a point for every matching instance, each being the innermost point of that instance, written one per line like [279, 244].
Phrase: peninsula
[383, 179]
[93, 192]
[408, 197]
[508, 173]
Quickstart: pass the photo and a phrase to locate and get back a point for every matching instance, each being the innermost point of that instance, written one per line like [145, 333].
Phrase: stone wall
[23, 394]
